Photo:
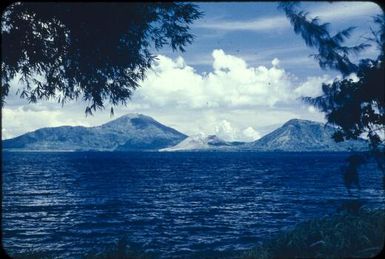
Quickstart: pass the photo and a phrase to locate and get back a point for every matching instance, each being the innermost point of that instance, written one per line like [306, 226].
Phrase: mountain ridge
[298, 135]
[126, 133]
[138, 132]
[295, 135]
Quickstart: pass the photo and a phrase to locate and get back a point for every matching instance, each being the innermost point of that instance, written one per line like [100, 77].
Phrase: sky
[242, 77]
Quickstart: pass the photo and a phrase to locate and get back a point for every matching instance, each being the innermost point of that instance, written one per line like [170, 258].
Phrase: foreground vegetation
[344, 235]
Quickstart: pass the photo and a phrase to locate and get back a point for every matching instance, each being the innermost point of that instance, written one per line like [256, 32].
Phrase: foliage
[355, 107]
[97, 51]
[344, 235]
[331, 53]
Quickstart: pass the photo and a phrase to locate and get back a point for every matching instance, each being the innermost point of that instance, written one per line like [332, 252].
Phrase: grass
[344, 235]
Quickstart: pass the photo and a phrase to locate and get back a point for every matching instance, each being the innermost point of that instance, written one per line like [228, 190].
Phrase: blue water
[174, 204]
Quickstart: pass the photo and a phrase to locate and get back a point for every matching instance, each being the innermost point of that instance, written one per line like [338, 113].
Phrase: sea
[179, 204]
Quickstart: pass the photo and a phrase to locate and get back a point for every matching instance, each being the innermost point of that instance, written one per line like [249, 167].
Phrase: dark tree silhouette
[96, 51]
[356, 108]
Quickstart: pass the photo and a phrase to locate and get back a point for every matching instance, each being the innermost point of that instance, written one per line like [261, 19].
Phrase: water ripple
[68, 204]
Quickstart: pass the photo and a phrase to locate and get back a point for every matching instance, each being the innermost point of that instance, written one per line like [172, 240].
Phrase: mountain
[302, 136]
[137, 132]
[200, 142]
[293, 136]
[127, 133]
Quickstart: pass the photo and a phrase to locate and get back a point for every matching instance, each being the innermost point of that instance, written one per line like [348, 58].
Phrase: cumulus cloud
[312, 87]
[232, 83]
[275, 62]
[234, 100]
[251, 134]
[227, 131]
[312, 109]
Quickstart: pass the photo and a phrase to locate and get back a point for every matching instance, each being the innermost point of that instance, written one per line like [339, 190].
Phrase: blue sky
[259, 32]
[241, 77]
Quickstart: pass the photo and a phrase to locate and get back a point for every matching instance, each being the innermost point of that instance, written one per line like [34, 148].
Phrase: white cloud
[251, 134]
[227, 131]
[275, 62]
[312, 87]
[232, 83]
[311, 109]
[233, 101]
[353, 77]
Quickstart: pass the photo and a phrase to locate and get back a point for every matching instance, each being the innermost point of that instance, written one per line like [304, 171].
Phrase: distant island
[137, 132]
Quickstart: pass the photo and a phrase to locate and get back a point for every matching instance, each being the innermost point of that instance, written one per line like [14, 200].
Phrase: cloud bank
[231, 84]
[235, 100]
